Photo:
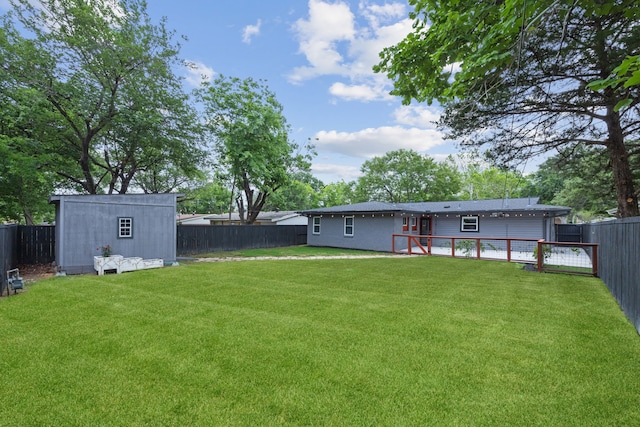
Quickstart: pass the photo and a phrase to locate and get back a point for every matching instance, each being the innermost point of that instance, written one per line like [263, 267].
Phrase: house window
[125, 228]
[405, 224]
[469, 223]
[348, 225]
[414, 223]
[316, 225]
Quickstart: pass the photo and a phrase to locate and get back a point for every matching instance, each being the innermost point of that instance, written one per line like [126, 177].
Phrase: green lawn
[345, 342]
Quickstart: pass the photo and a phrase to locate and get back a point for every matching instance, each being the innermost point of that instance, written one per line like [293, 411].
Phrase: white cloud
[375, 142]
[357, 92]
[420, 116]
[197, 73]
[318, 36]
[333, 172]
[335, 42]
[250, 31]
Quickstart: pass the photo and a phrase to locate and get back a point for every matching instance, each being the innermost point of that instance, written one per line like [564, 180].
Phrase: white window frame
[125, 227]
[349, 226]
[469, 224]
[315, 226]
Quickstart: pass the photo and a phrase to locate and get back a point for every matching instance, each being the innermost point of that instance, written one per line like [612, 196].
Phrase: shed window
[405, 224]
[348, 225]
[469, 223]
[316, 225]
[414, 223]
[125, 228]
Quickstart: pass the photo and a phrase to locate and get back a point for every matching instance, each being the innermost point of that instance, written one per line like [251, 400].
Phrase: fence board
[618, 264]
[195, 239]
[8, 253]
[36, 244]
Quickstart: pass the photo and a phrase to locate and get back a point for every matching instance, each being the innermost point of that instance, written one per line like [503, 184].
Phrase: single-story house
[264, 218]
[133, 225]
[193, 219]
[371, 225]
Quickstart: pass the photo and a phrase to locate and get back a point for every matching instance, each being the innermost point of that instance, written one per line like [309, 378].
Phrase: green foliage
[481, 182]
[405, 176]
[561, 180]
[339, 193]
[252, 140]
[467, 247]
[547, 252]
[401, 341]
[212, 198]
[522, 69]
[624, 76]
[104, 75]
[302, 191]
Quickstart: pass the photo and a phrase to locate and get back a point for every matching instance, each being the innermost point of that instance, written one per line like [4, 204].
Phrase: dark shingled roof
[466, 206]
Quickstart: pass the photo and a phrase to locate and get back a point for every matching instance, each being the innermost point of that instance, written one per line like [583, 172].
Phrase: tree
[252, 140]
[206, 198]
[492, 183]
[302, 191]
[406, 176]
[561, 180]
[106, 73]
[25, 182]
[339, 193]
[522, 88]
[482, 181]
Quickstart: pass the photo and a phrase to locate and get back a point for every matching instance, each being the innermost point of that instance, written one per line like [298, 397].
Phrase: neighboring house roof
[263, 217]
[467, 206]
[193, 219]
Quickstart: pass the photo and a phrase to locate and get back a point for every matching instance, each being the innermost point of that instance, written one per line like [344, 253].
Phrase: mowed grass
[289, 251]
[388, 341]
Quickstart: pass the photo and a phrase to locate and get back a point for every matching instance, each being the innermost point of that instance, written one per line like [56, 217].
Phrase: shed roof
[460, 206]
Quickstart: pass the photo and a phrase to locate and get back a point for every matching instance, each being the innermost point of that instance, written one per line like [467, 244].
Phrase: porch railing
[542, 255]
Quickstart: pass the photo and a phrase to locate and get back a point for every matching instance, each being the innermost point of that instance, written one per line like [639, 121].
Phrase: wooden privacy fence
[197, 239]
[8, 253]
[619, 263]
[574, 258]
[36, 244]
[25, 244]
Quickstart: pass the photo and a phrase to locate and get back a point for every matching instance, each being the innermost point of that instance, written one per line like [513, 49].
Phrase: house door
[425, 228]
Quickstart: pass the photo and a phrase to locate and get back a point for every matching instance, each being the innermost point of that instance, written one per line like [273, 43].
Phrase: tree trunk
[28, 218]
[622, 175]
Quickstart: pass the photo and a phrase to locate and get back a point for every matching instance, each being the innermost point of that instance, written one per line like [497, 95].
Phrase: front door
[425, 228]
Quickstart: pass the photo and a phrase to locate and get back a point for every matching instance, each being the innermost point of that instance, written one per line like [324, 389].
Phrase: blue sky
[316, 56]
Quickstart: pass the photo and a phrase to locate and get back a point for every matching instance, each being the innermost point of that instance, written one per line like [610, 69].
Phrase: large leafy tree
[302, 191]
[205, 198]
[106, 73]
[402, 176]
[25, 180]
[252, 140]
[340, 193]
[524, 72]
[561, 180]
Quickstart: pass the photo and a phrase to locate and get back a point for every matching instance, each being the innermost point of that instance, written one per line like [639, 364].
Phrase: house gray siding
[514, 227]
[85, 223]
[522, 218]
[369, 233]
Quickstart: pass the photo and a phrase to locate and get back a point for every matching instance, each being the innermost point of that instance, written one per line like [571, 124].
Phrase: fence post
[594, 260]
[540, 255]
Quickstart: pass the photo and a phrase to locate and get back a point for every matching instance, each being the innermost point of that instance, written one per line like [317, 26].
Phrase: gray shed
[370, 225]
[133, 225]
